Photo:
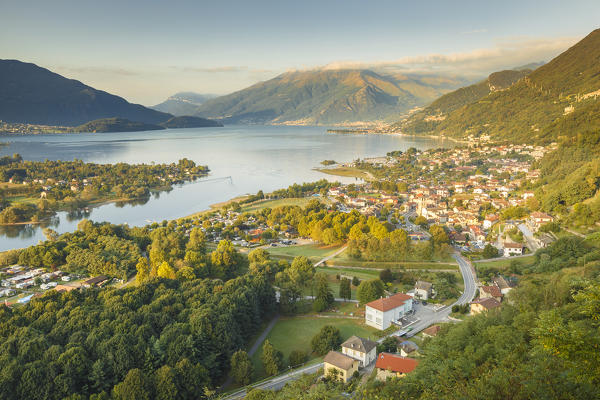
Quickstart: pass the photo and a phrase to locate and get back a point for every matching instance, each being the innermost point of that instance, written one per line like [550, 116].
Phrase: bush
[297, 357]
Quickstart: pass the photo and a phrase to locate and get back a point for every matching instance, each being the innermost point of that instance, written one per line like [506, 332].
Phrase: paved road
[329, 257]
[532, 243]
[275, 383]
[426, 317]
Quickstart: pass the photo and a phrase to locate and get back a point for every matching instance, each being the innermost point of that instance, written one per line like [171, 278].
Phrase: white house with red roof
[381, 313]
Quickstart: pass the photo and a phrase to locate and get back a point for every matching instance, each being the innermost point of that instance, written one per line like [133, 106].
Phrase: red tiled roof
[493, 290]
[389, 303]
[395, 363]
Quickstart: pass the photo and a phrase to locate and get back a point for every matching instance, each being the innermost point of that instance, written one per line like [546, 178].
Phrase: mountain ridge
[323, 97]
[525, 110]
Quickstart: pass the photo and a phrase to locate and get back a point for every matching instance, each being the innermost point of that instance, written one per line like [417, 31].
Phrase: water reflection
[241, 159]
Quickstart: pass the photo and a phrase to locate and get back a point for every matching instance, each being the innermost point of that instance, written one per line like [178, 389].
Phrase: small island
[32, 191]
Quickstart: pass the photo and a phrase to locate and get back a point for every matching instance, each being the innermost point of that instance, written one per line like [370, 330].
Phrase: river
[242, 159]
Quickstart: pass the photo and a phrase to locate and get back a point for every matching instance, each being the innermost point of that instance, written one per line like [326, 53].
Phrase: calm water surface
[242, 159]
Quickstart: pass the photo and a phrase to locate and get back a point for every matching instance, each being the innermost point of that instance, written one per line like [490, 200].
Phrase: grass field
[301, 202]
[344, 171]
[504, 263]
[314, 252]
[349, 262]
[295, 333]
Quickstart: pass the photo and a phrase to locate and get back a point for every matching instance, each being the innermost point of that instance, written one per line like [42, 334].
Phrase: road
[329, 257]
[426, 317]
[275, 383]
[532, 243]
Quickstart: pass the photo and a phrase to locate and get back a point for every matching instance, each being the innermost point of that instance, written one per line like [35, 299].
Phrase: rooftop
[360, 344]
[389, 303]
[395, 363]
[339, 360]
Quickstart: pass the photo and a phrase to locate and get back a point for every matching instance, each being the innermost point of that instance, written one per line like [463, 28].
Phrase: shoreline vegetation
[32, 192]
[106, 125]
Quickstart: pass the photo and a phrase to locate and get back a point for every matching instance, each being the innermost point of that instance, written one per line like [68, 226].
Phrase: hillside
[327, 97]
[35, 95]
[431, 116]
[189, 122]
[115, 125]
[525, 110]
[183, 103]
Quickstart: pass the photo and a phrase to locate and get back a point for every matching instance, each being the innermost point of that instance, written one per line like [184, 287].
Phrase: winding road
[426, 318]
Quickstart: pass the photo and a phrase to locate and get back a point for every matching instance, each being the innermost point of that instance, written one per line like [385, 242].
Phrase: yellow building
[343, 365]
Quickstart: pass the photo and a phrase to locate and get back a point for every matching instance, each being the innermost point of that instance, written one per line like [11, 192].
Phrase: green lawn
[295, 333]
[315, 252]
[504, 263]
[302, 202]
[344, 171]
[344, 260]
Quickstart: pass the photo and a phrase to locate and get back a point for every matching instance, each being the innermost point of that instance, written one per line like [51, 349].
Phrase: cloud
[98, 70]
[506, 53]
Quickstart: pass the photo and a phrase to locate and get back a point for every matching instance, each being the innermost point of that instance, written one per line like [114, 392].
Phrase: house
[490, 292]
[363, 350]
[343, 365]
[432, 331]
[505, 285]
[423, 290]
[393, 366]
[480, 305]
[96, 281]
[381, 313]
[408, 348]
[537, 219]
[513, 249]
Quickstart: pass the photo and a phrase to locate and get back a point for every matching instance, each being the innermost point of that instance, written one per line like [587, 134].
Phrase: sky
[147, 50]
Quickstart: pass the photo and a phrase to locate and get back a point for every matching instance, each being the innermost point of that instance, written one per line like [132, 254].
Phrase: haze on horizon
[147, 51]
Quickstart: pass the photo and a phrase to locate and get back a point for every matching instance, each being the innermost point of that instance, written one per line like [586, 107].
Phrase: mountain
[183, 103]
[531, 110]
[327, 97]
[431, 116]
[35, 95]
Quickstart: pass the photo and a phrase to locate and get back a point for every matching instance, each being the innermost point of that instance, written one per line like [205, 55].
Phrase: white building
[360, 349]
[513, 249]
[382, 312]
[423, 290]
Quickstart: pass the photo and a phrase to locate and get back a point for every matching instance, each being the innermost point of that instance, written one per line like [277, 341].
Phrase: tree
[226, 260]
[421, 221]
[271, 358]
[345, 290]
[355, 281]
[301, 271]
[241, 367]
[438, 234]
[165, 271]
[324, 298]
[386, 275]
[389, 345]
[328, 338]
[370, 290]
[166, 384]
[490, 251]
[135, 386]
[143, 270]
[297, 357]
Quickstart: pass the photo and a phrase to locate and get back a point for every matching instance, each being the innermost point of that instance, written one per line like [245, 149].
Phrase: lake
[242, 159]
